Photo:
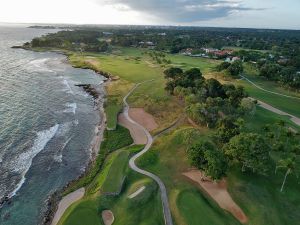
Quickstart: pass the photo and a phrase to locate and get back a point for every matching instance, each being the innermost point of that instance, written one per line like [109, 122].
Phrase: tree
[289, 164]
[270, 70]
[250, 150]
[206, 157]
[227, 128]
[248, 106]
[214, 88]
[173, 73]
[223, 66]
[236, 68]
[193, 74]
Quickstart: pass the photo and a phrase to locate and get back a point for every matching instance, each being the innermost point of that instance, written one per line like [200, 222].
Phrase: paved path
[293, 118]
[272, 92]
[164, 196]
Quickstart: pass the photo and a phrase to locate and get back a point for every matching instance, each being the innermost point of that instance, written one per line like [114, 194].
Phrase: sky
[221, 13]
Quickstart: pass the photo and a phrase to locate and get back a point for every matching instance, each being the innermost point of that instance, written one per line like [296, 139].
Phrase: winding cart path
[162, 187]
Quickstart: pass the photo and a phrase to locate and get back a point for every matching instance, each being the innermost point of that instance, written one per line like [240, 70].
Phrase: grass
[191, 202]
[112, 110]
[116, 175]
[116, 139]
[261, 199]
[168, 159]
[85, 210]
[132, 66]
[113, 140]
[186, 62]
[144, 209]
[263, 117]
[283, 103]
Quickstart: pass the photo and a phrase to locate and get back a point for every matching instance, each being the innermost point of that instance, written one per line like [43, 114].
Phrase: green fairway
[261, 199]
[113, 140]
[144, 209]
[186, 62]
[168, 159]
[263, 117]
[191, 202]
[84, 212]
[283, 103]
[116, 175]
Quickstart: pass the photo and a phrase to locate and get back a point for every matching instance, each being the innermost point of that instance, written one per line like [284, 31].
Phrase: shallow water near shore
[46, 125]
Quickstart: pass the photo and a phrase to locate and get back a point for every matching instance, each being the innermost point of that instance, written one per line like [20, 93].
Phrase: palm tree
[290, 165]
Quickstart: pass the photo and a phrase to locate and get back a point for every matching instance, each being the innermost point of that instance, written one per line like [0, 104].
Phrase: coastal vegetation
[113, 140]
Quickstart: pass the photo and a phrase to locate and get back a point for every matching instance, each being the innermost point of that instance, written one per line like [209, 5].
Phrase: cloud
[182, 11]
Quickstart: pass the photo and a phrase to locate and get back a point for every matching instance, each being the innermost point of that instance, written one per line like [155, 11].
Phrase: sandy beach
[66, 202]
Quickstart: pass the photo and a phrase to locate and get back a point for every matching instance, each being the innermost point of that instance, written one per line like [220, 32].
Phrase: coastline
[56, 198]
[99, 95]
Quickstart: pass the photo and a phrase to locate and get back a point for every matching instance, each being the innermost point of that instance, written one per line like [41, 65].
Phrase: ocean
[46, 125]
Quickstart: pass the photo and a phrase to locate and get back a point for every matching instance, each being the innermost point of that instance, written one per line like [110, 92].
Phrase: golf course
[155, 175]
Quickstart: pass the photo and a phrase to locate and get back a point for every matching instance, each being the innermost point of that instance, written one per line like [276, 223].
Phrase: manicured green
[84, 212]
[186, 62]
[116, 176]
[113, 140]
[126, 211]
[144, 209]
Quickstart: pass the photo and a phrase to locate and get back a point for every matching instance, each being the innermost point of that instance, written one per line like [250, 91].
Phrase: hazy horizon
[269, 14]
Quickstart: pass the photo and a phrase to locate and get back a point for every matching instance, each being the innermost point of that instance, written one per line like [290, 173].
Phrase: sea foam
[24, 160]
[71, 108]
[40, 64]
[68, 88]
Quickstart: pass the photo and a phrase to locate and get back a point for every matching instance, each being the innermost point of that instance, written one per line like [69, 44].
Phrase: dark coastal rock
[17, 46]
[51, 207]
[89, 89]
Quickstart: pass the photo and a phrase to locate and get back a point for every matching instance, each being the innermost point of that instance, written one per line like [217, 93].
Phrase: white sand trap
[139, 191]
[66, 202]
[108, 217]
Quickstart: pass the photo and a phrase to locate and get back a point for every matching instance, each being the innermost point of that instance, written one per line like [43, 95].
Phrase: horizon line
[152, 25]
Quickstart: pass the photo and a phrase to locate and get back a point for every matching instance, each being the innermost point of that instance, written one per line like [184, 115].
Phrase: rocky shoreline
[51, 204]
[98, 93]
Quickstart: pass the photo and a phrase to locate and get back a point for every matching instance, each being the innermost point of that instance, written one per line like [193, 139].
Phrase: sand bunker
[138, 135]
[143, 118]
[66, 202]
[139, 191]
[108, 217]
[218, 192]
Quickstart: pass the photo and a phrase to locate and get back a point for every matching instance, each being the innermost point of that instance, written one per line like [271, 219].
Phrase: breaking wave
[23, 162]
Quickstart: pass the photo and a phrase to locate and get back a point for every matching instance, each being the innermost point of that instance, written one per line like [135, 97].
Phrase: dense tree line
[208, 101]
[222, 107]
[286, 75]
